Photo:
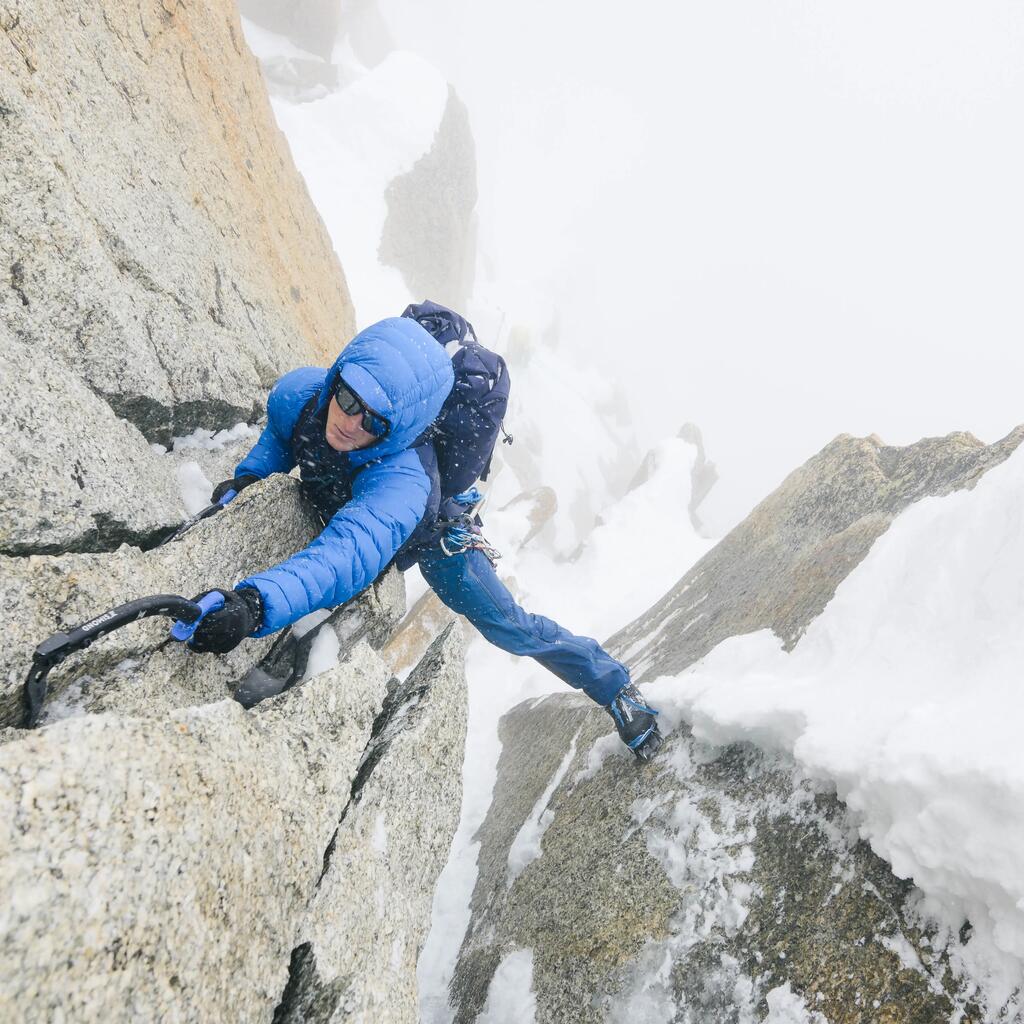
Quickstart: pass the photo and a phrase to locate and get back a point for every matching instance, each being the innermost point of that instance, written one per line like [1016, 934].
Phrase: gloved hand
[223, 630]
[239, 483]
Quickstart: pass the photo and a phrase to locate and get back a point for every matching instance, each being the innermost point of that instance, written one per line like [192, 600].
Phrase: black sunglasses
[351, 405]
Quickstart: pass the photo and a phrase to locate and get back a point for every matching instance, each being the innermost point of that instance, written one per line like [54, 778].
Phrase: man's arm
[272, 453]
[389, 499]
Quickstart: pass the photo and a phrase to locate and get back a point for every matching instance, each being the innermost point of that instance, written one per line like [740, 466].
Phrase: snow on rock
[510, 998]
[195, 487]
[690, 890]
[526, 845]
[730, 883]
[206, 439]
[906, 695]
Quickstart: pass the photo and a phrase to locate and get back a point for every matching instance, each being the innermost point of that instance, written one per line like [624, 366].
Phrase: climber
[387, 450]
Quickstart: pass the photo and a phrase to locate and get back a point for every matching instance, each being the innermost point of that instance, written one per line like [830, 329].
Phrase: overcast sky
[780, 220]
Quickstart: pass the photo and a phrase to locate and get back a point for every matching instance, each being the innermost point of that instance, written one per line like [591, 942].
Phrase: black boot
[636, 723]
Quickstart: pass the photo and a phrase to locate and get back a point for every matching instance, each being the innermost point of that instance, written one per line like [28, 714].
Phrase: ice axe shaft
[54, 649]
[210, 510]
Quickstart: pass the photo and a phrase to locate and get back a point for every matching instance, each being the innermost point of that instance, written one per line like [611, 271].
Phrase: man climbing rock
[389, 442]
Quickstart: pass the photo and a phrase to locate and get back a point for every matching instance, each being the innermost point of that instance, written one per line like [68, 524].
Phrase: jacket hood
[399, 371]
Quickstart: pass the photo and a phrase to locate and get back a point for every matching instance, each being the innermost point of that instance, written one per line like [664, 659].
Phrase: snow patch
[905, 695]
[510, 997]
[216, 440]
[194, 486]
[786, 1007]
[302, 626]
[526, 846]
[323, 654]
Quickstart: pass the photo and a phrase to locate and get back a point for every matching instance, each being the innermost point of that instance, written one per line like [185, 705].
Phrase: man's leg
[467, 583]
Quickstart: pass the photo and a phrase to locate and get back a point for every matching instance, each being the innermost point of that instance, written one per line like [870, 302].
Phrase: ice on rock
[905, 694]
[510, 999]
[526, 845]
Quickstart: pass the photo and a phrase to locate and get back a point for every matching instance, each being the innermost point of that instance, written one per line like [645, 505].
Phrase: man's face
[345, 433]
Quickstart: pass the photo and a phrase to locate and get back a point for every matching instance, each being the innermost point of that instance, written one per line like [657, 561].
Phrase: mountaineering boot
[635, 722]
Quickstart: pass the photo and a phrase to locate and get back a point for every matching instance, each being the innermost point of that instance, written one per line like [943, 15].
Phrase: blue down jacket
[371, 500]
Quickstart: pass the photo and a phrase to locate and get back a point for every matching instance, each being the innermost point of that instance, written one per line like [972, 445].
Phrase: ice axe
[54, 649]
[210, 510]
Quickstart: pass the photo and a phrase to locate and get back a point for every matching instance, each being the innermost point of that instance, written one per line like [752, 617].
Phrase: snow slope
[907, 694]
[349, 144]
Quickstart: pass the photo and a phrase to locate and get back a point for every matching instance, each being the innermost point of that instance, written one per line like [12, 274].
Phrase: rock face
[167, 855]
[158, 867]
[46, 593]
[159, 253]
[780, 567]
[687, 890]
[410, 777]
[712, 884]
[430, 231]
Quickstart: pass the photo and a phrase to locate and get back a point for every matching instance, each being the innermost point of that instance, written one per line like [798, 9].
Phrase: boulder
[158, 249]
[382, 865]
[713, 884]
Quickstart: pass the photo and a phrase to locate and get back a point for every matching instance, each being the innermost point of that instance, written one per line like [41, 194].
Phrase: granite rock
[135, 670]
[157, 247]
[692, 887]
[157, 868]
[384, 860]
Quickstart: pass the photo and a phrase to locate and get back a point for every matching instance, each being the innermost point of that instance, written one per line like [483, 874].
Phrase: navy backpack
[466, 430]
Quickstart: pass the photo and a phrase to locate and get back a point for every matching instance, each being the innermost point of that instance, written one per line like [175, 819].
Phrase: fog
[781, 221]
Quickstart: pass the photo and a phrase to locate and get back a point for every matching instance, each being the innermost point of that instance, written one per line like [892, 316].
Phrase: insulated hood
[401, 372]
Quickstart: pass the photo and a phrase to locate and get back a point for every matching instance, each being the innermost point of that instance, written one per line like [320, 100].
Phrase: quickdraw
[465, 537]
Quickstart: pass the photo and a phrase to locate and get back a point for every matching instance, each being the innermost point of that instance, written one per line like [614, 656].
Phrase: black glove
[239, 483]
[223, 630]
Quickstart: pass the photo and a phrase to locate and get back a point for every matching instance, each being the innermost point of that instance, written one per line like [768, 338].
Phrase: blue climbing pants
[467, 583]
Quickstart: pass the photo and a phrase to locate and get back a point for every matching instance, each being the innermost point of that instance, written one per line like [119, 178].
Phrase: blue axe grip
[207, 603]
[227, 496]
